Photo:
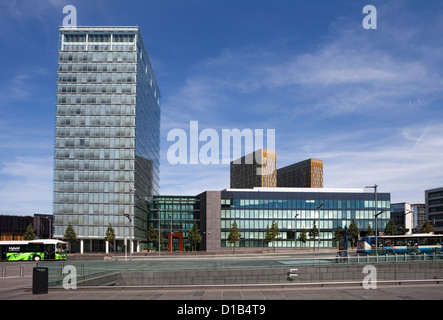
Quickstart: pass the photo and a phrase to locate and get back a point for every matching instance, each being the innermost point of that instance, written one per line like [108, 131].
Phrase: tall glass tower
[107, 135]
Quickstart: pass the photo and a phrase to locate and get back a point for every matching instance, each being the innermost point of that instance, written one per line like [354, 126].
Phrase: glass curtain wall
[106, 134]
[255, 211]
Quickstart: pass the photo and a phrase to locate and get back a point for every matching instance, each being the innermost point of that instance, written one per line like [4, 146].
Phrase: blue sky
[369, 103]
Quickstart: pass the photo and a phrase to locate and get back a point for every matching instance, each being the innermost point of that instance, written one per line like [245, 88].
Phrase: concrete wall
[308, 274]
[210, 220]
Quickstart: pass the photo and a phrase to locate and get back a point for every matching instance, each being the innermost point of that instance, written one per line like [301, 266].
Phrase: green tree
[353, 233]
[337, 233]
[110, 235]
[194, 236]
[234, 235]
[70, 235]
[391, 228]
[370, 232]
[151, 235]
[313, 233]
[29, 235]
[272, 233]
[427, 227]
[302, 237]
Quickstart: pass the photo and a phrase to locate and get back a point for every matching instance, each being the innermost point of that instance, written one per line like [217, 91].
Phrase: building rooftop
[325, 190]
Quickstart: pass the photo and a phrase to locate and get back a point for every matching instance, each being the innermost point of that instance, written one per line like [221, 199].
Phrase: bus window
[399, 242]
[434, 241]
[423, 241]
[388, 242]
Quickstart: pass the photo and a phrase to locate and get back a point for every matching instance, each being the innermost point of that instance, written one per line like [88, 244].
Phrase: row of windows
[117, 154]
[94, 176]
[90, 231]
[99, 47]
[436, 209]
[91, 37]
[302, 204]
[90, 198]
[94, 164]
[93, 88]
[70, 186]
[262, 224]
[97, 77]
[182, 206]
[98, 56]
[247, 235]
[435, 194]
[95, 110]
[77, 211]
[434, 202]
[278, 243]
[95, 143]
[96, 99]
[93, 132]
[302, 214]
[97, 67]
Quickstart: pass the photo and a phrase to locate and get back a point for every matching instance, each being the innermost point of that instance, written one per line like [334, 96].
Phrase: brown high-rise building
[257, 169]
[304, 174]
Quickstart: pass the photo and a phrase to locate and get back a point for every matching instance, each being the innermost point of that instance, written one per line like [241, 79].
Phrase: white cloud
[27, 184]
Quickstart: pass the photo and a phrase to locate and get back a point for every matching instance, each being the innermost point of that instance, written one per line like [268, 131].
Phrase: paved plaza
[16, 286]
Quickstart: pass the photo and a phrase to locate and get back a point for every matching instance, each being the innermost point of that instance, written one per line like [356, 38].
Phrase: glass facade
[175, 214]
[107, 133]
[254, 211]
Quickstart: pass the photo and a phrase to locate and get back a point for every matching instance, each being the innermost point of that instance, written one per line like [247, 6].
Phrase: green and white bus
[41, 249]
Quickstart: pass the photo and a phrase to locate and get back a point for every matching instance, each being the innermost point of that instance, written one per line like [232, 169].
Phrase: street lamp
[318, 208]
[129, 216]
[376, 228]
[295, 232]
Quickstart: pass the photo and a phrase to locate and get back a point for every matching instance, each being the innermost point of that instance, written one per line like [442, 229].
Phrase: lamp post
[129, 216]
[295, 232]
[170, 238]
[318, 208]
[376, 229]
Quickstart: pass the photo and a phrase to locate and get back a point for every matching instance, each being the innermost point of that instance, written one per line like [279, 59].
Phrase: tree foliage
[272, 233]
[234, 234]
[313, 233]
[194, 236]
[30, 234]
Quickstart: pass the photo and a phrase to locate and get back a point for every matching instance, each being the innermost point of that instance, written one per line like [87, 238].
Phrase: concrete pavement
[14, 287]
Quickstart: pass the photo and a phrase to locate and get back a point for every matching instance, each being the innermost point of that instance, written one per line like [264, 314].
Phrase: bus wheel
[36, 258]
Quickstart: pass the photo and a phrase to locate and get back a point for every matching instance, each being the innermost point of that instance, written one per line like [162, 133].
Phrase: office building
[403, 217]
[176, 216]
[14, 227]
[107, 135]
[257, 169]
[304, 174]
[419, 210]
[434, 208]
[293, 209]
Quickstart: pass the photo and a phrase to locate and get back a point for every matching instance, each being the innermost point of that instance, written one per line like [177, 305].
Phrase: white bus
[41, 249]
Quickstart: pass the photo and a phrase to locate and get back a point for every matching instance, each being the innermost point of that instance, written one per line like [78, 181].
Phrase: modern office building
[304, 174]
[107, 135]
[434, 208]
[176, 216]
[419, 210]
[293, 209]
[257, 169]
[403, 217]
